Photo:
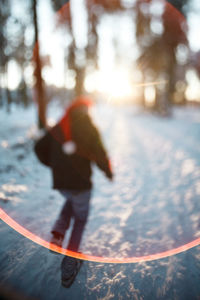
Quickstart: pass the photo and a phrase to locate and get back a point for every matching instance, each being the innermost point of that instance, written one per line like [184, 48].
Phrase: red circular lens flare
[173, 17]
[31, 236]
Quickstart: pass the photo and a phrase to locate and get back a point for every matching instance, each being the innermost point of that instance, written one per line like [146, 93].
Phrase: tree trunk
[40, 97]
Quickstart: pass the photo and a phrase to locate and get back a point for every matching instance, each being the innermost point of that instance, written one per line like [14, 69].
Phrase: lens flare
[123, 87]
[36, 239]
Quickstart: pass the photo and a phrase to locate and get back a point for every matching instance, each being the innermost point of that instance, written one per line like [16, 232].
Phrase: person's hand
[110, 176]
[110, 173]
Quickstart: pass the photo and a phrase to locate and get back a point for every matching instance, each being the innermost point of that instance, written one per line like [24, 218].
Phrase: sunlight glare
[150, 95]
[14, 75]
[193, 89]
[115, 84]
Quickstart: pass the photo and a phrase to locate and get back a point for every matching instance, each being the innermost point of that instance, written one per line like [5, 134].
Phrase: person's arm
[89, 143]
[99, 154]
[42, 149]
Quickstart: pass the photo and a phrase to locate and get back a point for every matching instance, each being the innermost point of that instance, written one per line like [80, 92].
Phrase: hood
[65, 121]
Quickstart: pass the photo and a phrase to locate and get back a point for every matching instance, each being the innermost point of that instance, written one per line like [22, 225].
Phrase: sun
[115, 84]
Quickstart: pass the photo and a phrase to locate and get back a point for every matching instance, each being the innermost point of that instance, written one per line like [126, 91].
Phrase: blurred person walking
[69, 149]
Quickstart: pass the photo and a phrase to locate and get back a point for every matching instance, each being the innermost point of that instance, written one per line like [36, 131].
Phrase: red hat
[65, 122]
[80, 101]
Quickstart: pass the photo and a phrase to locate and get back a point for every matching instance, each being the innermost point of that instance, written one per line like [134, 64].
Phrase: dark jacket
[73, 171]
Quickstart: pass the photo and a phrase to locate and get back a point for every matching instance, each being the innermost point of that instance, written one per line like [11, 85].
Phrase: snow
[151, 206]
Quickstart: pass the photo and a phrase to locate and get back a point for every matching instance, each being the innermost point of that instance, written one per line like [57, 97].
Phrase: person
[69, 149]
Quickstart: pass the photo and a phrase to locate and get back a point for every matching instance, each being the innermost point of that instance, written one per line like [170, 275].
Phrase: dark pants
[76, 207]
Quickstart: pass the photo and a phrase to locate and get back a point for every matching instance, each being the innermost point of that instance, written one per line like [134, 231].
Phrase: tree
[4, 56]
[158, 50]
[40, 96]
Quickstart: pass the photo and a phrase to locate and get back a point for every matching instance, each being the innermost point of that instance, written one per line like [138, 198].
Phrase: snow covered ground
[152, 206]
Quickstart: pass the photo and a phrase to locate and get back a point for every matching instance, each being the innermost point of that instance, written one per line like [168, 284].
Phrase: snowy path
[152, 206]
